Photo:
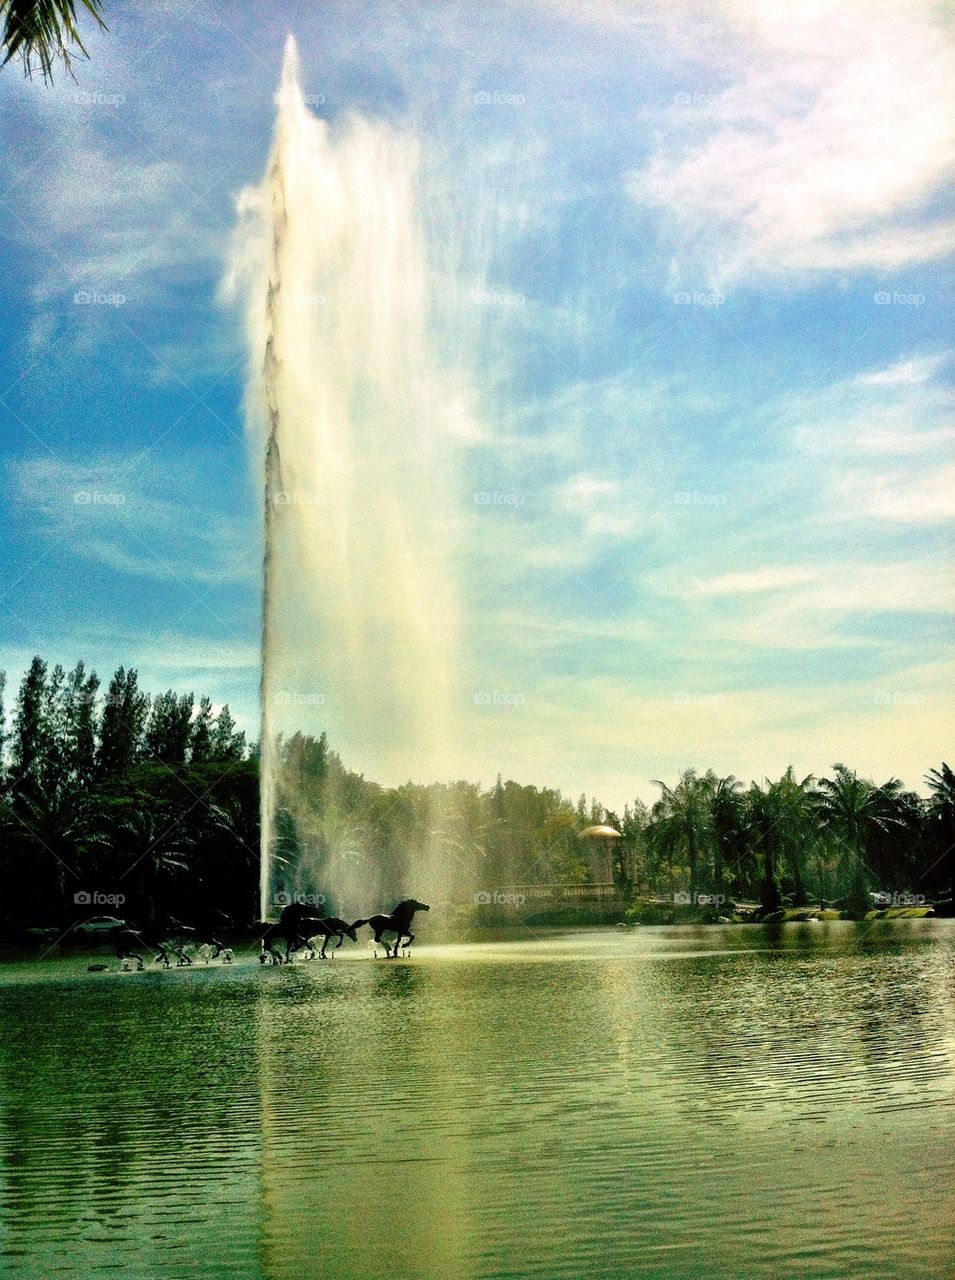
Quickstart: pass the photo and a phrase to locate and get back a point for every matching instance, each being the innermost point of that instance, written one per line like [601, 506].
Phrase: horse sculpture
[299, 930]
[295, 926]
[397, 923]
[202, 938]
[331, 927]
[129, 944]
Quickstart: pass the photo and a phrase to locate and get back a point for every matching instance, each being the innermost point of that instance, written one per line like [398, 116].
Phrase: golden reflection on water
[352, 1131]
[666, 1103]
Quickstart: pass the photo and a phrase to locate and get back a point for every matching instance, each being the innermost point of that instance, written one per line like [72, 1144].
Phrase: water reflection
[663, 1103]
[121, 1105]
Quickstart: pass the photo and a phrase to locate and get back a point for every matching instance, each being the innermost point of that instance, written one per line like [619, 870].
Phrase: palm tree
[941, 807]
[762, 819]
[41, 31]
[855, 811]
[233, 825]
[727, 815]
[681, 821]
[797, 827]
[59, 829]
[784, 826]
[153, 836]
[941, 785]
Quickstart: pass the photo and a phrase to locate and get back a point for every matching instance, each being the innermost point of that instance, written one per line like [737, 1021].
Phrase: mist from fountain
[350, 421]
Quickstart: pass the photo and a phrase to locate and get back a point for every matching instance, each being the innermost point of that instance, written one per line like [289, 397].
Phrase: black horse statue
[331, 927]
[397, 923]
[295, 926]
[129, 943]
[202, 938]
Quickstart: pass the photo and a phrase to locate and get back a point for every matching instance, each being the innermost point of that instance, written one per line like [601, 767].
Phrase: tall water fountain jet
[347, 412]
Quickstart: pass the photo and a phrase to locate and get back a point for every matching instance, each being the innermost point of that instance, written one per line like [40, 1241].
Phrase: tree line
[153, 800]
[119, 802]
[833, 839]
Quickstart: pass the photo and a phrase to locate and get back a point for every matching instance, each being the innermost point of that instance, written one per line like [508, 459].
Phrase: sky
[702, 259]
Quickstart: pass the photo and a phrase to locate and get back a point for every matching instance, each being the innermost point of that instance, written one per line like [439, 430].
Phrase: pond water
[665, 1102]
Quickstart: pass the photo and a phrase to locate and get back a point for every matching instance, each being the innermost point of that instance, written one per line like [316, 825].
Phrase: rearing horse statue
[397, 923]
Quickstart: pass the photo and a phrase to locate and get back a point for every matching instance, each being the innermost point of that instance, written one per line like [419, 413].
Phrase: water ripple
[580, 1105]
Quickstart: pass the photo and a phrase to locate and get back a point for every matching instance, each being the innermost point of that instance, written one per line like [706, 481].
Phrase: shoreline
[683, 917]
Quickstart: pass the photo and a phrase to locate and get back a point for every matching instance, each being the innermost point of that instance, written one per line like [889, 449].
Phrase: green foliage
[474, 839]
[122, 725]
[123, 795]
[41, 32]
[796, 842]
[157, 798]
[30, 731]
[941, 809]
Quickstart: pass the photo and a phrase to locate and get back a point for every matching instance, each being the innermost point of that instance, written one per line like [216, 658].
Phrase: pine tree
[122, 724]
[227, 742]
[3, 727]
[30, 735]
[200, 740]
[169, 728]
[81, 693]
[54, 765]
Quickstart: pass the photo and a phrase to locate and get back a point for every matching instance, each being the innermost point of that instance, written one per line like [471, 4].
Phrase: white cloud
[838, 125]
[580, 492]
[103, 218]
[845, 587]
[878, 444]
[603, 510]
[886, 441]
[170, 654]
[927, 498]
[574, 727]
[822, 607]
[125, 513]
[913, 372]
[109, 181]
[769, 578]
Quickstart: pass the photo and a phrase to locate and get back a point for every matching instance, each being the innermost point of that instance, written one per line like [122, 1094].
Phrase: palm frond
[40, 32]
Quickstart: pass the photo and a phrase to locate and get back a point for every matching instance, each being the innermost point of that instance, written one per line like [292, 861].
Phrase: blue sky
[703, 256]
